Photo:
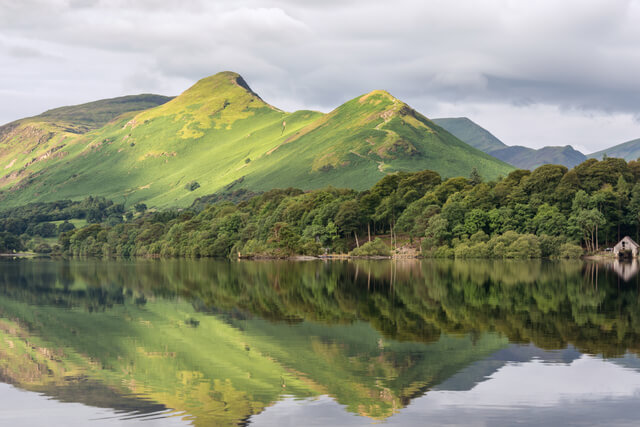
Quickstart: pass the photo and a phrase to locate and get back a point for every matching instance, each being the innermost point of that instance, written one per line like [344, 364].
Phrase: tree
[348, 217]
[437, 231]
[544, 181]
[140, 207]
[475, 220]
[474, 177]
[633, 210]
[588, 221]
[549, 220]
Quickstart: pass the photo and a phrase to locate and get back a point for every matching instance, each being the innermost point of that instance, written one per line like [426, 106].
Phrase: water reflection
[216, 342]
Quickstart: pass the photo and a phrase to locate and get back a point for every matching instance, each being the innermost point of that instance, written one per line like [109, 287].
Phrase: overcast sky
[532, 72]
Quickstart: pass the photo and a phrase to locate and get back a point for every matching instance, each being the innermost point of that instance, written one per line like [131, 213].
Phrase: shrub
[570, 250]
[462, 251]
[192, 185]
[499, 250]
[310, 247]
[443, 252]
[428, 243]
[550, 245]
[42, 248]
[478, 250]
[526, 246]
[479, 237]
[375, 248]
[65, 226]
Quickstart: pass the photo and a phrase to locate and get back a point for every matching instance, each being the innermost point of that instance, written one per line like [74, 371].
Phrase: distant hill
[471, 133]
[518, 156]
[629, 150]
[219, 135]
[98, 113]
[528, 158]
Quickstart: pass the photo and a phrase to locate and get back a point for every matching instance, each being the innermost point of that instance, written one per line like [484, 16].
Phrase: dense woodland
[544, 213]
[27, 227]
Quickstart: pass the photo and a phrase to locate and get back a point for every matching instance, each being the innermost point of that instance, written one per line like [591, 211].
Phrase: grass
[79, 223]
[219, 134]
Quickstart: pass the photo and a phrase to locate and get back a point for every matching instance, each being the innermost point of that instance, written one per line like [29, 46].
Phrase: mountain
[518, 156]
[471, 133]
[26, 135]
[528, 158]
[219, 134]
[26, 143]
[629, 150]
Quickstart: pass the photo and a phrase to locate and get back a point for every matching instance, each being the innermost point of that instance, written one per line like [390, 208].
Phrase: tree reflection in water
[222, 340]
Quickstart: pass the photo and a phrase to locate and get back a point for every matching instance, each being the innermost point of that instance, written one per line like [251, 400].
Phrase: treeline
[548, 212]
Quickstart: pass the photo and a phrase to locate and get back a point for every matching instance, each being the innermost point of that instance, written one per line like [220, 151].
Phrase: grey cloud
[578, 55]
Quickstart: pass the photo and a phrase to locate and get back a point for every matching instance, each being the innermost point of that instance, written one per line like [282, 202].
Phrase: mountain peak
[376, 95]
[215, 101]
[224, 80]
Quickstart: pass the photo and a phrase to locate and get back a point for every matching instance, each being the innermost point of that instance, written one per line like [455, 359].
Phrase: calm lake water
[171, 343]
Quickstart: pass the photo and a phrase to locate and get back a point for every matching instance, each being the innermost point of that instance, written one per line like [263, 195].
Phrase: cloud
[577, 57]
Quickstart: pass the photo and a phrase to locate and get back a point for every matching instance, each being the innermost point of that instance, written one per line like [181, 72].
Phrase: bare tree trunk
[391, 233]
[356, 236]
[369, 230]
[395, 232]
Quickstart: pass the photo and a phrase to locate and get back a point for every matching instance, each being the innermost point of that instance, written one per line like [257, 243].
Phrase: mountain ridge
[219, 134]
[629, 150]
[516, 155]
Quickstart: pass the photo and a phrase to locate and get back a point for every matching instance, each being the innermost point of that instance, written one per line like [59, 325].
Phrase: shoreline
[19, 255]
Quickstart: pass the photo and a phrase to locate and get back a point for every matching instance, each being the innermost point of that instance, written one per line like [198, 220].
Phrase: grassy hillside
[28, 145]
[219, 134]
[518, 156]
[629, 150]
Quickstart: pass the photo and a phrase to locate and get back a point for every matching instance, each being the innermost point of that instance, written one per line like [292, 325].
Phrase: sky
[533, 73]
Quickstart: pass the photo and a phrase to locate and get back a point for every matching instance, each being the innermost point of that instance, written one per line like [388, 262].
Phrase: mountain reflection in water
[222, 343]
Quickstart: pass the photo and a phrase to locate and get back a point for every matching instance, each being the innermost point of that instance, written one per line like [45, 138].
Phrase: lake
[279, 343]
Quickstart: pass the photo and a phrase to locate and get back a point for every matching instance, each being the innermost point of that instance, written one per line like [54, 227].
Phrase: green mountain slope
[470, 132]
[25, 144]
[629, 150]
[518, 156]
[220, 134]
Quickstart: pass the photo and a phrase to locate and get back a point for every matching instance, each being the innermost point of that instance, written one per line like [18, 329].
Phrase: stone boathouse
[626, 247]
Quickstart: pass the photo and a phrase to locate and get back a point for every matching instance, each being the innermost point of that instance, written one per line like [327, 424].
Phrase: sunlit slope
[219, 134]
[362, 140]
[210, 134]
[28, 145]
